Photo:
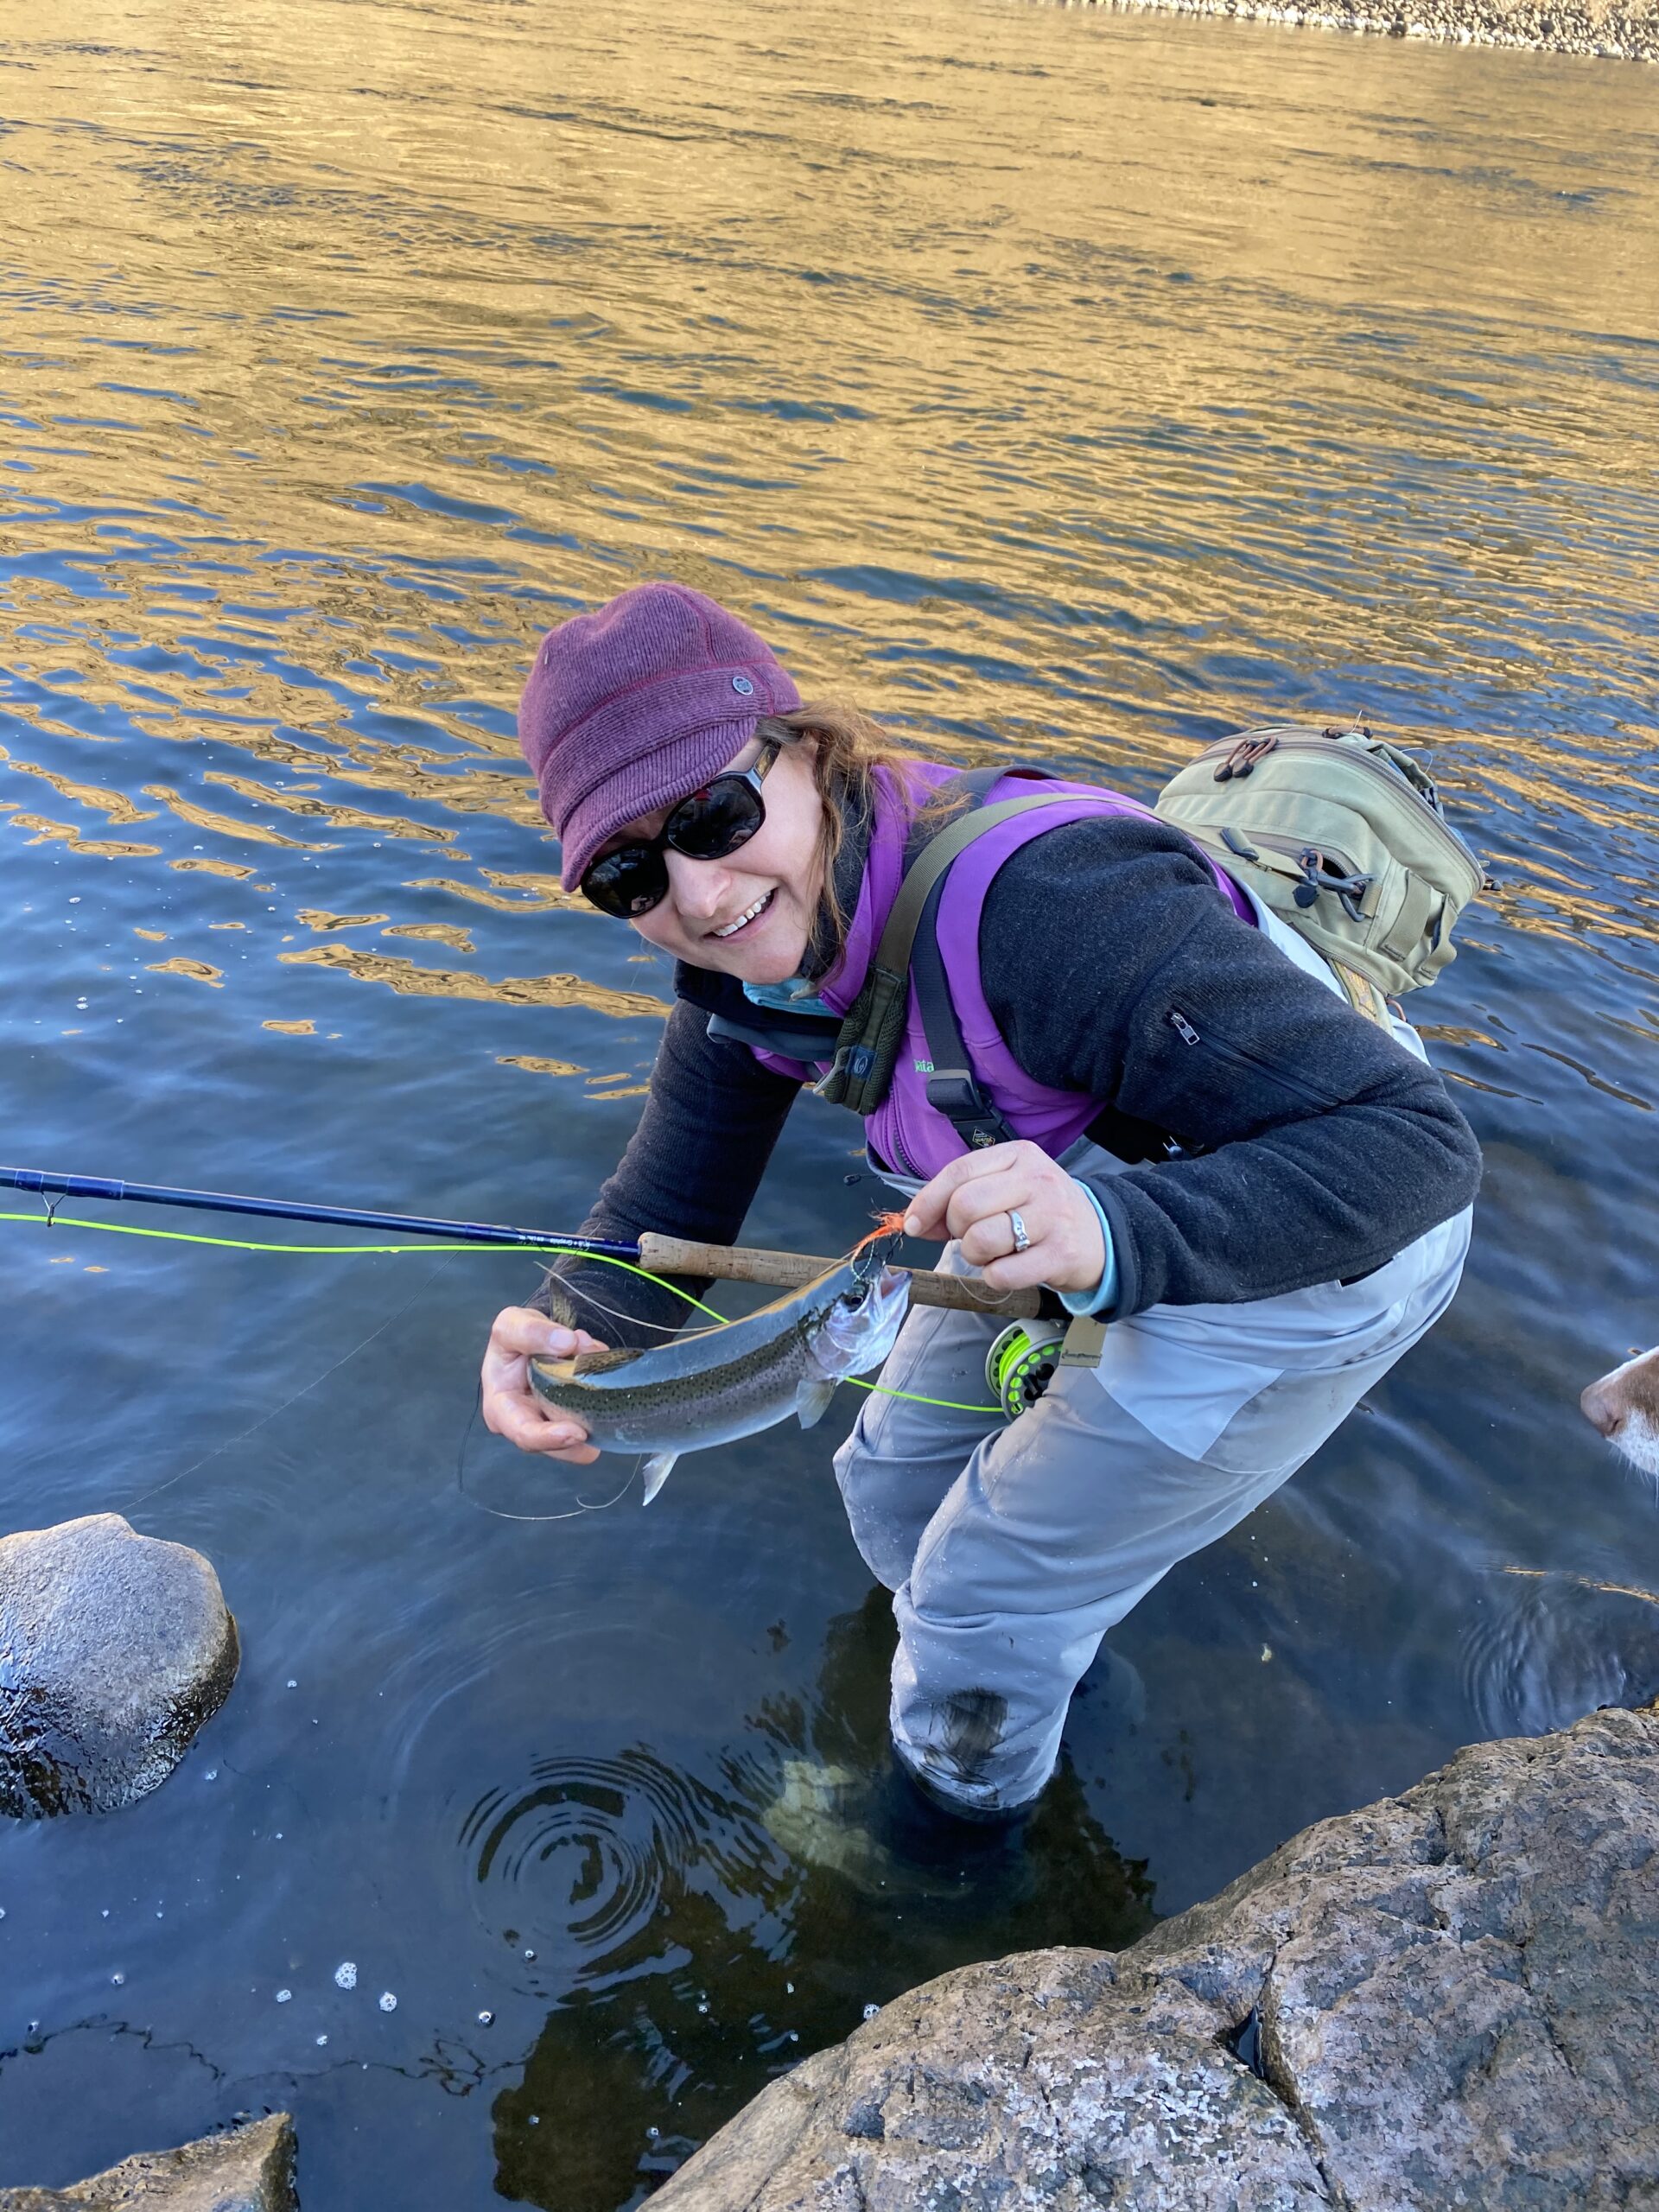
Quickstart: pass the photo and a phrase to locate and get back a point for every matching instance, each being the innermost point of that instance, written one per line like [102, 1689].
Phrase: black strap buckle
[954, 1093]
[1321, 874]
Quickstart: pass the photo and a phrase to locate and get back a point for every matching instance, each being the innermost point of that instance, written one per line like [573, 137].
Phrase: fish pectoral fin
[812, 1400]
[658, 1468]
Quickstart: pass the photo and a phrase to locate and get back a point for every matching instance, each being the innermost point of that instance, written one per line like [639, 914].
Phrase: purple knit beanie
[637, 706]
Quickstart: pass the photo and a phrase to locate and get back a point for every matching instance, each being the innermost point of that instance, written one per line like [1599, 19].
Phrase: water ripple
[584, 1853]
[1549, 1646]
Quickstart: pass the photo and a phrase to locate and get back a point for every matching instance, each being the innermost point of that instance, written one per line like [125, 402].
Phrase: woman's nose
[1600, 1406]
[697, 886]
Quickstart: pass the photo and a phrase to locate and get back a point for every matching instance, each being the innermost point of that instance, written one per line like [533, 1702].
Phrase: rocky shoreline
[1609, 30]
[1446, 1999]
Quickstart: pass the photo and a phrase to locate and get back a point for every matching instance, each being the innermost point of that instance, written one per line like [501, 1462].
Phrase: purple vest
[909, 1134]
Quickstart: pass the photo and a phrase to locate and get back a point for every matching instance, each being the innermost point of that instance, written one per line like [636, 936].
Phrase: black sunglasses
[711, 823]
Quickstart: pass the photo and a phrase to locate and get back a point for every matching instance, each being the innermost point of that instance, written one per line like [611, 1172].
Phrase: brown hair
[849, 747]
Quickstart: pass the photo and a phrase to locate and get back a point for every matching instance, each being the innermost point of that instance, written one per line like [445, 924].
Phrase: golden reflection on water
[224, 825]
[114, 806]
[318, 918]
[200, 971]
[544, 900]
[44, 831]
[1058, 383]
[409, 980]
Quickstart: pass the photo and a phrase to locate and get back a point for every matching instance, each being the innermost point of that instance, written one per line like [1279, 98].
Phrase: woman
[1266, 1194]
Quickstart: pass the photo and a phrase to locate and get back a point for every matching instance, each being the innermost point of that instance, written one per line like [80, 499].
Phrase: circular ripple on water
[587, 1856]
[1550, 1647]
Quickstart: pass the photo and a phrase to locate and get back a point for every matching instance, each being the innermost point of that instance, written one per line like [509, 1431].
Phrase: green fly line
[316, 1251]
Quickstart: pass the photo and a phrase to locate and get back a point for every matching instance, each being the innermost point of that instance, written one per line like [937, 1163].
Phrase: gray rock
[250, 2169]
[114, 1648]
[1449, 1999]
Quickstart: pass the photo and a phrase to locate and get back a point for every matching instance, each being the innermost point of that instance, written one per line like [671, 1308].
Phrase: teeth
[731, 928]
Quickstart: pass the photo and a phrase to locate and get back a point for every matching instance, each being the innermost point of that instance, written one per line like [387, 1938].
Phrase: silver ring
[1021, 1241]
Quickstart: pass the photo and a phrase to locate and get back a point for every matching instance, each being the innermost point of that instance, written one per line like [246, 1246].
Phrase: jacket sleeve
[692, 1169]
[1324, 1147]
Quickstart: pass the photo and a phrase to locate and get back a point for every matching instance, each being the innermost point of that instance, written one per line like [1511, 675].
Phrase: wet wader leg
[1057, 1526]
[902, 1457]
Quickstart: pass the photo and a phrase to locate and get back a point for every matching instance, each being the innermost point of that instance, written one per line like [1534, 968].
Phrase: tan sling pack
[1344, 837]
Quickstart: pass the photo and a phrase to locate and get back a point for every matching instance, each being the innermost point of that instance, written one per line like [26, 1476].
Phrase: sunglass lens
[716, 820]
[627, 883]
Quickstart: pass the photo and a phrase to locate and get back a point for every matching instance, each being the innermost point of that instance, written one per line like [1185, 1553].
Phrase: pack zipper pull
[1184, 1029]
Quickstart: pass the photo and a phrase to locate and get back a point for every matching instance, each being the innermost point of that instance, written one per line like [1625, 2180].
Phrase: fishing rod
[659, 1254]
[413, 1224]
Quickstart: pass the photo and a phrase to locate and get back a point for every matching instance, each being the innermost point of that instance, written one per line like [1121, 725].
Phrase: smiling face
[751, 914]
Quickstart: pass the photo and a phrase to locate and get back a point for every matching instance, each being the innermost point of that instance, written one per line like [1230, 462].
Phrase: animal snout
[1600, 1406]
[1624, 1406]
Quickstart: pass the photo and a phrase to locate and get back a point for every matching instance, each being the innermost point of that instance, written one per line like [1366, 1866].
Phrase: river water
[1057, 384]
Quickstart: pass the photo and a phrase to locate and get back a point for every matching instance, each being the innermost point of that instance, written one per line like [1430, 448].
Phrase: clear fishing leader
[1155, 1098]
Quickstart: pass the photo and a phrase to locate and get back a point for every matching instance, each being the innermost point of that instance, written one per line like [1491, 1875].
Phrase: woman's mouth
[747, 919]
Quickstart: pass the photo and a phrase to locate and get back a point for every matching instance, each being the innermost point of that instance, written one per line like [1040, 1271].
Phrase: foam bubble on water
[388, 2002]
[486, 2019]
[346, 1974]
[870, 2011]
[283, 1996]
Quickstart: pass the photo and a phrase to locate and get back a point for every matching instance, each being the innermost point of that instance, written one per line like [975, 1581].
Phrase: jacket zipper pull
[1184, 1029]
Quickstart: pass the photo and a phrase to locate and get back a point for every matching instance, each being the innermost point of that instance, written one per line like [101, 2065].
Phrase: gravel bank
[1624, 30]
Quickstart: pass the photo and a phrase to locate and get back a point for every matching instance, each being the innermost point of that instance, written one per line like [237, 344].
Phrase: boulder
[1444, 1999]
[114, 1648]
[249, 2170]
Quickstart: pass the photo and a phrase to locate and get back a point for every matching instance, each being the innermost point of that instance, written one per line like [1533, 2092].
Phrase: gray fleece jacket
[1313, 1146]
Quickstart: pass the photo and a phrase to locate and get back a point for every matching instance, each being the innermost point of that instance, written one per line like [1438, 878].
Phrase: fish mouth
[859, 1331]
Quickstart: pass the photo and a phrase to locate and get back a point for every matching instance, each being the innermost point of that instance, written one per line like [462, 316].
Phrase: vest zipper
[901, 1158]
[1237, 1055]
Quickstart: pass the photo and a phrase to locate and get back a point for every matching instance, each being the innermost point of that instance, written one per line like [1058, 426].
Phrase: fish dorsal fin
[583, 1365]
[601, 1363]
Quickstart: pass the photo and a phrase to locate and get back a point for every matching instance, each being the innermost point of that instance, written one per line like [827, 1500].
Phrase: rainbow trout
[718, 1384]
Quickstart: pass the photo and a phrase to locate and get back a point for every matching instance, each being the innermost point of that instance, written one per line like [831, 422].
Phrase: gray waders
[1011, 1547]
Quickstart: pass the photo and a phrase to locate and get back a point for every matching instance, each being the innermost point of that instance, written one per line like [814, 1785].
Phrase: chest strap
[872, 1033]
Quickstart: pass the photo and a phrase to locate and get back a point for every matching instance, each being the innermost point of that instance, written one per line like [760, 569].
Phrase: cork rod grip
[677, 1255]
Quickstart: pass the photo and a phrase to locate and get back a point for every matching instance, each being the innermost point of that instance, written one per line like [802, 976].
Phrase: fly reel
[1020, 1365]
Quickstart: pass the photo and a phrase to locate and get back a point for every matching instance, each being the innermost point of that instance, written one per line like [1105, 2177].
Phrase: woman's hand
[511, 1406]
[972, 1198]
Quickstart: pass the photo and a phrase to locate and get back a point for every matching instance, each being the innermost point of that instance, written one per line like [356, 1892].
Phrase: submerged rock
[1446, 1998]
[114, 1648]
[250, 2169]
